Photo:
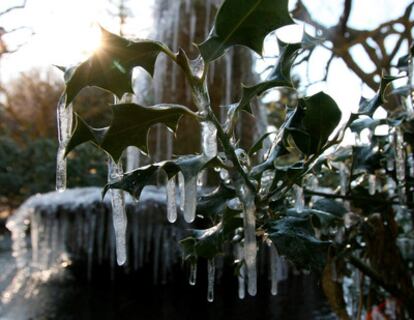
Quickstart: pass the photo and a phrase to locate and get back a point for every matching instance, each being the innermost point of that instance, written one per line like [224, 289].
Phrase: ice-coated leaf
[279, 77]
[134, 181]
[129, 127]
[368, 107]
[110, 67]
[258, 145]
[360, 124]
[294, 238]
[84, 133]
[131, 123]
[330, 205]
[244, 23]
[317, 116]
[209, 242]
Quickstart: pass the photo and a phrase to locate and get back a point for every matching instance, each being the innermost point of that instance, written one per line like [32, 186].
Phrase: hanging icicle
[208, 139]
[193, 274]
[250, 245]
[273, 256]
[119, 217]
[399, 151]
[181, 185]
[299, 198]
[190, 198]
[64, 124]
[239, 255]
[410, 162]
[211, 274]
[171, 200]
[372, 184]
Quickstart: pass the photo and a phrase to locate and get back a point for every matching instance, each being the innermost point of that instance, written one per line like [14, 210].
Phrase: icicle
[343, 177]
[132, 161]
[399, 155]
[190, 198]
[274, 256]
[250, 245]
[171, 200]
[211, 271]
[64, 123]
[158, 147]
[400, 162]
[410, 162]
[193, 274]
[372, 184]
[299, 198]
[208, 139]
[193, 25]
[169, 142]
[239, 253]
[118, 212]
[181, 185]
[410, 105]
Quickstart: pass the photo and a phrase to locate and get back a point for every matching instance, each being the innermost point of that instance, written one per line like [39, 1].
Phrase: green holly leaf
[129, 127]
[295, 239]
[131, 123]
[279, 77]
[244, 23]
[110, 67]
[317, 116]
[84, 133]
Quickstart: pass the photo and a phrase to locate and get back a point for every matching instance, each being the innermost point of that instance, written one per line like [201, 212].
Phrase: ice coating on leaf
[299, 198]
[64, 124]
[171, 200]
[119, 218]
[193, 274]
[211, 273]
[208, 139]
[190, 198]
[250, 245]
[274, 256]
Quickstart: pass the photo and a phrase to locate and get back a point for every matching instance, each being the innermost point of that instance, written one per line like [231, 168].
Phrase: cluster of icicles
[188, 197]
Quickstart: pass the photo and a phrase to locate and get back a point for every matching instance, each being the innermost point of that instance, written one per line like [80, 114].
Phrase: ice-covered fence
[76, 225]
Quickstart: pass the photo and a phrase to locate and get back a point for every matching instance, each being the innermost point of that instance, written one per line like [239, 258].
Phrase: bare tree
[341, 38]
[4, 48]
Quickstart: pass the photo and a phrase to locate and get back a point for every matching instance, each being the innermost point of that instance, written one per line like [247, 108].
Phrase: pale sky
[66, 32]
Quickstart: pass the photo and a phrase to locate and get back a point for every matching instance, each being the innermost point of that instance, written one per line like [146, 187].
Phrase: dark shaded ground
[67, 295]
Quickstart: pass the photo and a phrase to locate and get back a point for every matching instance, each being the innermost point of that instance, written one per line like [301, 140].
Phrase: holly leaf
[134, 181]
[294, 238]
[129, 127]
[368, 107]
[131, 123]
[279, 76]
[259, 143]
[110, 67]
[84, 133]
[317, 116]
[244, 23]
[208, 243]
